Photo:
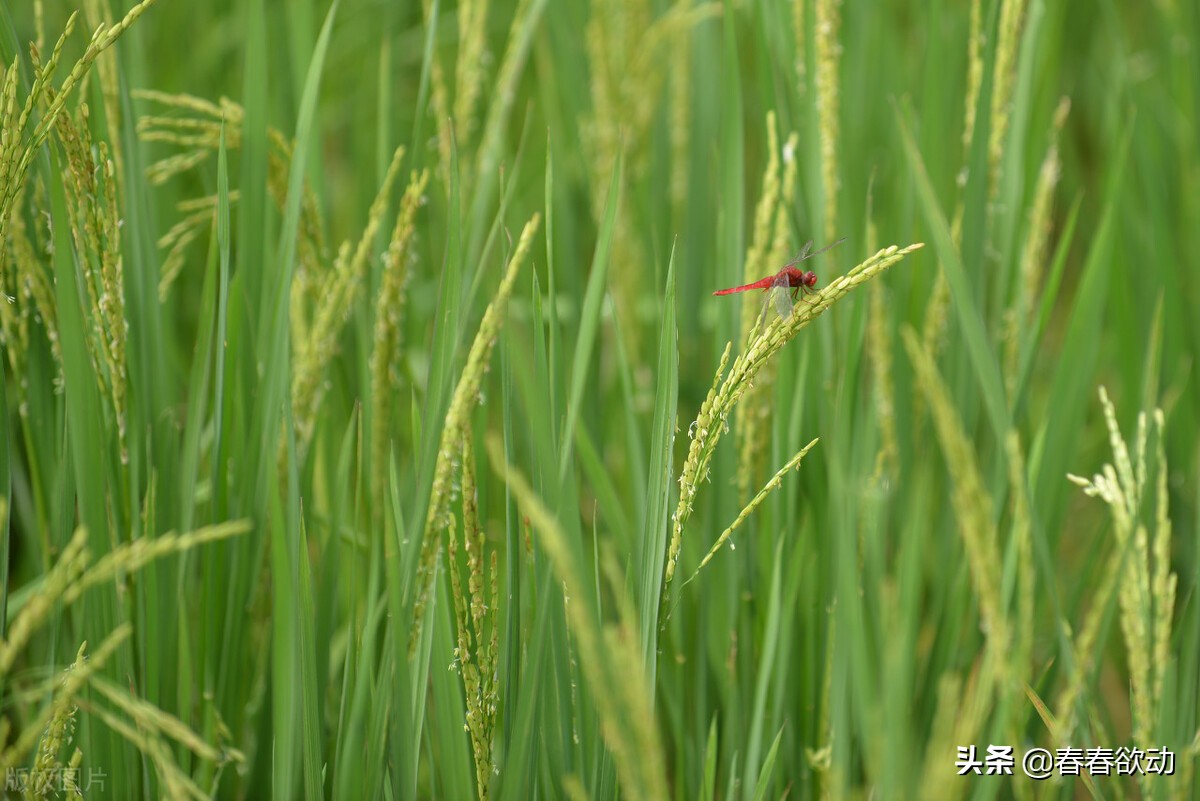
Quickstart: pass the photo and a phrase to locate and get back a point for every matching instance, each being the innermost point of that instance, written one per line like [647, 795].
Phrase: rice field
[371, 430]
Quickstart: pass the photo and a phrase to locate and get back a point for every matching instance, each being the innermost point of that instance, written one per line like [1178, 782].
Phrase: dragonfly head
[808, 279]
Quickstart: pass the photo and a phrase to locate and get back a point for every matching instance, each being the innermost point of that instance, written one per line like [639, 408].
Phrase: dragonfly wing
[808, 255]
[783, 303]
[802, 255]
[781, 296]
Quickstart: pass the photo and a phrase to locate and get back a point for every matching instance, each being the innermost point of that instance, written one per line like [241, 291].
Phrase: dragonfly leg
[805, 292]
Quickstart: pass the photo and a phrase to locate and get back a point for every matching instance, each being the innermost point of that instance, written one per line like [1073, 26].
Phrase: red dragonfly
[791, 280]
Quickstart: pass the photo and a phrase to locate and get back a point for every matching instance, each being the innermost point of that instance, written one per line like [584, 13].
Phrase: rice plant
[371, 429]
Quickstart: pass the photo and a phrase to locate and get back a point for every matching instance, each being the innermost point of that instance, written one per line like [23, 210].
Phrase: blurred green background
[928, 579]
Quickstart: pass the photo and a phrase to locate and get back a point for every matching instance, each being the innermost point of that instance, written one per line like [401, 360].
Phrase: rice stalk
[1012, 13]
[625, 88]
[772, 485]
[476, 615]
[975, 42]
[504, 90]
[440, 98]
[828, 53]
[338, 294]
[14, 166]
[201, 216]
[14, 153]
[800, 35]
[176, 784]
[389, 326]
[879, 349]
[39, 24]
[1086, 654]
[95, 224]
[1026, 601]
[59, 731]
[72, 790]
[200, 135]
[469, 71]
[1033, 257]
[98, 13]
[608, 655]
[27, 298]
[149, 719]
[66, 570]
[73, 681]
[712, 420]
[936, 311]
[462, 403]
[1139, 569]
[74, 573]
[770, 236]
[972, 506]
[973, 510]
[625, 53]
[960, 715]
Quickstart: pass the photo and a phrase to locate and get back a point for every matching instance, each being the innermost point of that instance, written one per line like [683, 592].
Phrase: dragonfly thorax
[797, 277]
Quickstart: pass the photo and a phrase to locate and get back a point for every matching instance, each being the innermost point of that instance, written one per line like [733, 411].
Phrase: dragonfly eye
[810, 279]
